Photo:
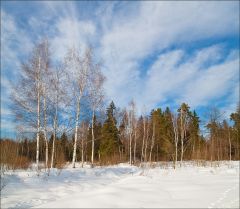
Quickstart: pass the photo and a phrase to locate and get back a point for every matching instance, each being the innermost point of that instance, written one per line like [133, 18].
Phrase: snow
[124, 186]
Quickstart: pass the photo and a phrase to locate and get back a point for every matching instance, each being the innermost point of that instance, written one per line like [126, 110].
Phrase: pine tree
[235, 117]
[168, 134]
[194, 134]
[64, 144]
[110, 135]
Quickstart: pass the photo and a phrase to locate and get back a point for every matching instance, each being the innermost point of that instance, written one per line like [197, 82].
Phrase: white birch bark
[143, 139]
[82, 151]
[76, 132]
[175, 129]
[45, 130]
[182, 134]
[146, 143]
[135, 143]
[92, 157]
[54, 135]
[38, 112]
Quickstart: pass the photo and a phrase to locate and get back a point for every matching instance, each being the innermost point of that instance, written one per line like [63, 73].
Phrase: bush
[10, 158]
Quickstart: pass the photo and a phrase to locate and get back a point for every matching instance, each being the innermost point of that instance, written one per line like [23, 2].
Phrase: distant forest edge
[48, 101]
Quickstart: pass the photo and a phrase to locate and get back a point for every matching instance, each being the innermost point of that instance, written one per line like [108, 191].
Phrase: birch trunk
[55, 131]
[182, 135]
[53, 147]
[143, 141]
[92, 157]
[76, 133]
[82, 152]
[146, 144]
[135, 144]
[45, 131]
[230, 145]
[175, 129]
[130, 149]
[38, 113]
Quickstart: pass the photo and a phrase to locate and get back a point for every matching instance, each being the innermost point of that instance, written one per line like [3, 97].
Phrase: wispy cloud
[181, 42]
[148, 30]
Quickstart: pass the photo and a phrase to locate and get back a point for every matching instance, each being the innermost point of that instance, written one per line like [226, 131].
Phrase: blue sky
[158, 53]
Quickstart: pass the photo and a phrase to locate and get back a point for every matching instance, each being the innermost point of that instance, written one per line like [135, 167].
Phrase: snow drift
[124, 186]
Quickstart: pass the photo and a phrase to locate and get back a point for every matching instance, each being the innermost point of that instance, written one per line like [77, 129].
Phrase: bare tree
[78, 68]
[55, 81]
[96, 96]
[38, 108]
[175, 129]
[134, 126]
[214, 116]
[135, 140]
[153, 137]
[45, 127]
[27, 93]
[130, 127]
[83, 131]
[143, 138]
[45, 88]
[184, 111]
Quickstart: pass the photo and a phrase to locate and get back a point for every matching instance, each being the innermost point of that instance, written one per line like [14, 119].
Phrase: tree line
[58, 112]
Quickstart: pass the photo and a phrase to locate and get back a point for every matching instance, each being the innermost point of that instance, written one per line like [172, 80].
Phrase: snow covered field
[124, 186]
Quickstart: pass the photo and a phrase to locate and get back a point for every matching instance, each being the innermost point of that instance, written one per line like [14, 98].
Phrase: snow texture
[124, 186]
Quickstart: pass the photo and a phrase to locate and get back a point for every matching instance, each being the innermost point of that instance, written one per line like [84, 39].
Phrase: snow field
[124, 186]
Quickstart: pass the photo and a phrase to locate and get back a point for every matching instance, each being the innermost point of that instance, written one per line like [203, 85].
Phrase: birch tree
[83, 130]
[45, 89]
[130, 127]
[96, 97]
[143, 138]
[183, 114]
[175, 130]
[78, 68]
[27, 93]
[57, 95]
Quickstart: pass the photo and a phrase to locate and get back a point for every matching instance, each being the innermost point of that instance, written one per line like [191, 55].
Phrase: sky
[158, 53]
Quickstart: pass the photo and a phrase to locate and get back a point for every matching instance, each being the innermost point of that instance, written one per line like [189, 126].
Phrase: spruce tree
[110, 135]
[64, 144]
[194, 134]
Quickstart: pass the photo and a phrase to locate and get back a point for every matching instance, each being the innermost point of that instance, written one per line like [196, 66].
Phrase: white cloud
[187, 81]
[71, 32]
[15, 43]
[211, 84]
[127, 36]
[155, 26]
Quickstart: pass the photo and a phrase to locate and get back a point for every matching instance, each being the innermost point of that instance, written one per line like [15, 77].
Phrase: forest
[62, 115]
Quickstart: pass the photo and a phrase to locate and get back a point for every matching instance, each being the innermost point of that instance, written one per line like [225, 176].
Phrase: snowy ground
[124, 186]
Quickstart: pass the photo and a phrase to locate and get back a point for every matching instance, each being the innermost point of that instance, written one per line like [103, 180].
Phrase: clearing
[124, 186]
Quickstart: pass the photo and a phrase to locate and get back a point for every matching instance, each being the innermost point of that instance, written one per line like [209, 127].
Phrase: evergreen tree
[194, 134]
[64, 145]
[168, 133]
[235, 117]
[110, 135]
